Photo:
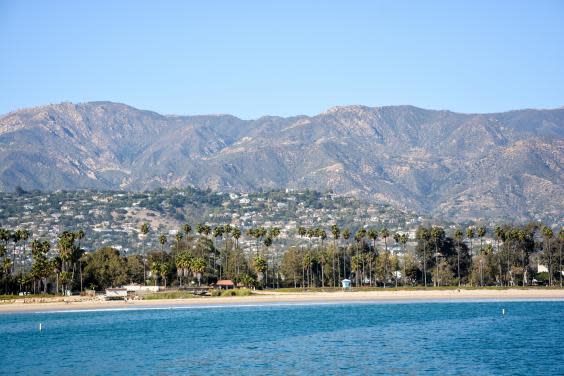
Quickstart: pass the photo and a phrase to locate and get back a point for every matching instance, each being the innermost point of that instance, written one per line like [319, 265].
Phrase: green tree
[41, 267]
[458, 236]
[481, 232]
[346, 236]
[437, 236]
[187, 229]
[423, 236]
[292, 265]
[105, 268]
[144, 231]
[561, 241]
[470, 235]
[260, 267]
[178, 238]
[198, 266]
[162, 240]
[336, 232]
[385, 234]
[548, 253]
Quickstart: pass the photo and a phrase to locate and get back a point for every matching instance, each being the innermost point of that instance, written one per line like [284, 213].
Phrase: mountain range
[450, 165]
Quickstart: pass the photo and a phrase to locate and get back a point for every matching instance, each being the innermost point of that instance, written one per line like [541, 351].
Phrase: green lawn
[11, 297]
[188, 295]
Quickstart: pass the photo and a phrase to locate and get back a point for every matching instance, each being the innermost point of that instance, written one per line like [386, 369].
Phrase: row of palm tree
[214, 253]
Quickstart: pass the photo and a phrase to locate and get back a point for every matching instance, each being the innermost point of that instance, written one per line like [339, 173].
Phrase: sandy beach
[273, 297]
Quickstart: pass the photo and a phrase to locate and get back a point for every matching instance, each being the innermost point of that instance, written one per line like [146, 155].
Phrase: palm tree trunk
[560, 264]
[344, 262]
[425, 264]
[404, 268]
[322, 276]
[303, 276]
[458, 261]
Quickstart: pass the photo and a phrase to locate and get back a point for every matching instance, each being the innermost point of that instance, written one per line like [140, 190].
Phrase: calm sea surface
[462, 338]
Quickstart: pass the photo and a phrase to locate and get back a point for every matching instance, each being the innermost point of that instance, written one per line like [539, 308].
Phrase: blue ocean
[447, 338]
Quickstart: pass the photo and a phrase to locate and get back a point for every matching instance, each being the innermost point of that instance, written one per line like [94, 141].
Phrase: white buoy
[40, 326]
[503, 312]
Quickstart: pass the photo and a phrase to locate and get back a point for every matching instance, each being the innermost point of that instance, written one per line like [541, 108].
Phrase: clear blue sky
[251, 58]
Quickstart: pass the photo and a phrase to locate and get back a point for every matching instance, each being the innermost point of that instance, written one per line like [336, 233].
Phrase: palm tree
[15, 238]
[372, 235]
[336, 232]
[155, 271]
[481, 232]
[322, 258]
[302, 233]
[24, 236]
[521, 236]
[187, 229]
[144, 231]
[6, 267]
[273, 233]
[162, 241]
[321, 255]
[403, 241]
[247, 281]
[356, 265]
[359, 237]
[437, 234]
[198, 266]
[267, 243]
[498, 233]
[470, 236]
[397, 239]
[260, 267]
[385, 234]
[79, 236]
[164, 270]
[423, 235]
[178, 238]
[217, 234]
[307, 261]
[145, 228]
[236, 234]
[200, 228]
[458, 237]
[346, 236]
[65, 246]
[548, 234]
[561, 238]
[207, 230]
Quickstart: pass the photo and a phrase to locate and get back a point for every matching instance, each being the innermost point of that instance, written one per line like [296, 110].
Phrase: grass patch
[169, 295]
[234, 292]
[11, 297]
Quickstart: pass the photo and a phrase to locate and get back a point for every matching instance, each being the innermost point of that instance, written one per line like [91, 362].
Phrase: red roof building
[225, 284]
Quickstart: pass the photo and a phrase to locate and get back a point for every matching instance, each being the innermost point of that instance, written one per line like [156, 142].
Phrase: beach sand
[274, 297]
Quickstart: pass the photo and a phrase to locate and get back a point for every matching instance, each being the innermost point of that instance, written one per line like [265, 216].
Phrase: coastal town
[113, 219]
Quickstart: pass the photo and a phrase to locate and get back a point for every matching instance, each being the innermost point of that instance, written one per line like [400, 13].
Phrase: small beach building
[346, 283]
[116, 294]
[225, 284]
[137, 288]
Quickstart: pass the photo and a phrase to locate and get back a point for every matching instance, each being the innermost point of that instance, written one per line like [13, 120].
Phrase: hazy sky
[251, 58]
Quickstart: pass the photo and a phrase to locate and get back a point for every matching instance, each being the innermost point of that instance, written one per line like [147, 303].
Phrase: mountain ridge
[434, 161]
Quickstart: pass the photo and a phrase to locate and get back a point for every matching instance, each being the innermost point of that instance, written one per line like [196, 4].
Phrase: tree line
[316, 257]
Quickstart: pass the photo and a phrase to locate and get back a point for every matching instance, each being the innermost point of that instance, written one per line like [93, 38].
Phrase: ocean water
[453, 338]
